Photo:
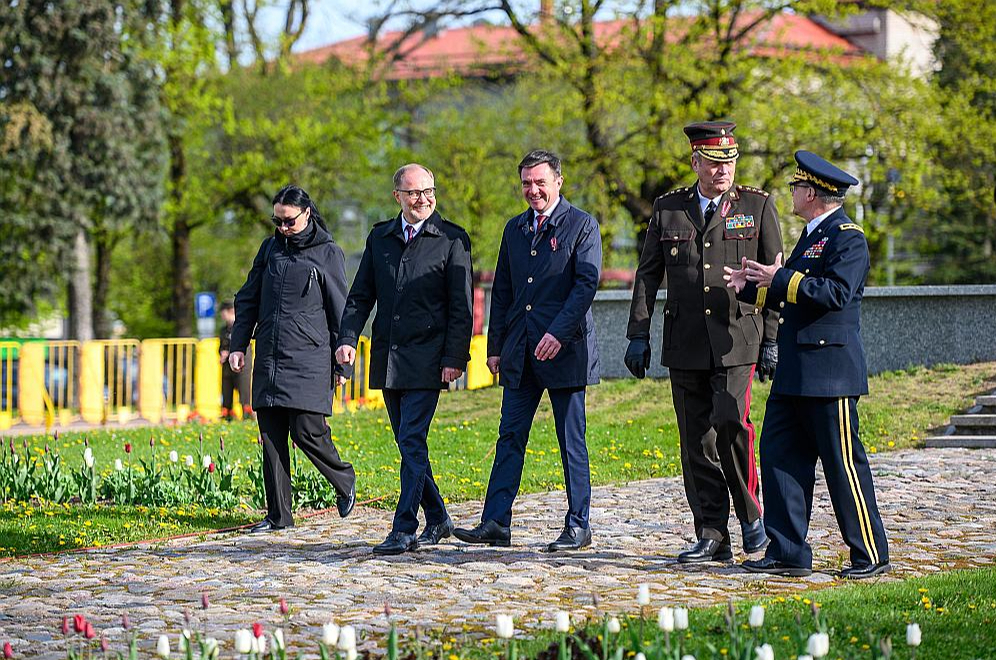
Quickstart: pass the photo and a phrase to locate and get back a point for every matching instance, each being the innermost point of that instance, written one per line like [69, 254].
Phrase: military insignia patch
[725, 208]
[739, 221]
[815, 251]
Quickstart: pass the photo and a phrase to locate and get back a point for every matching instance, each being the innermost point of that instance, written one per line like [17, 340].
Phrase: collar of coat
[394, 227]
[525, 220]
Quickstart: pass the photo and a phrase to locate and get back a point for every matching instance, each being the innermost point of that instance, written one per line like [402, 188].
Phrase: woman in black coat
[292, 303]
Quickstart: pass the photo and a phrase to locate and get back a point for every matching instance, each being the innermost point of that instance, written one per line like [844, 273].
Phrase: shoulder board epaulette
[752, 189]
[851, 225]
[677, 191]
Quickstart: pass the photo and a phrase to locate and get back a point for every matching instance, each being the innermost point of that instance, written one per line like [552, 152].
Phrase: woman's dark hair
[291, 195]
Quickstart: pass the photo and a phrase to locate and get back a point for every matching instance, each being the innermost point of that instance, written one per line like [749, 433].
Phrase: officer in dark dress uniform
[712, 344]
[541, 336]
[812, 413]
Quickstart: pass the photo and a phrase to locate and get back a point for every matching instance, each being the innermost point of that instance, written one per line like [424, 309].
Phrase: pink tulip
[91, 632]
[125, 621]
[152, 441]
[387, 609]
[211, 467]
[257, 630]
[79, 623]
[103, 644]
[65, 625]
[8, 650]
[205, 601]
[283, 607]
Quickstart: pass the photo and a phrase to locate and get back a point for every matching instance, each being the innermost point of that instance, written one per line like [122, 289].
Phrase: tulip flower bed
[943, 616]
[200, 477]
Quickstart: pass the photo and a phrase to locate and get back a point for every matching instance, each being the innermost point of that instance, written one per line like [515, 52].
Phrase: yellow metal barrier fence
[8, 360]
[166, 373]
[109, 381]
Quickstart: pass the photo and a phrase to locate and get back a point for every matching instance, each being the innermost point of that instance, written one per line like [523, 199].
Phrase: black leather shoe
[396, 543]
[345, 503]
[266, 525]
[433, 534]
[865, 570]
[572, 538]
[706, 550]
[755, 540]
[488, 532]
[774, 567]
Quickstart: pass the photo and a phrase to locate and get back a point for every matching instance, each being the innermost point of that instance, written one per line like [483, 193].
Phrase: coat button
[397, 317]
[532, 253]
[674, 252]
[781, 304]
[780, 321]
[529, 280]
[404, 258]
[708, 312]
[757, 310]
[823, 341]
[707, 244]
[706, 266]
[807, 270]
[400, 289]
[394, 347]
[529, 308]
[706, 289]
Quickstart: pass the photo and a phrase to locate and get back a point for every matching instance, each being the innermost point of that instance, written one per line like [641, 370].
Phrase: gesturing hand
[547, 348]
[736, 279]
[760, 274]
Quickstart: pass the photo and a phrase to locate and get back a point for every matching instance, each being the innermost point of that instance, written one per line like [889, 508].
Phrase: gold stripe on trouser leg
[846, 447]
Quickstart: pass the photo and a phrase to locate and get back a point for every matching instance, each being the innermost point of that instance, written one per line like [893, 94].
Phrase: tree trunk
[80, 289]
[183, 288]
[102, 328]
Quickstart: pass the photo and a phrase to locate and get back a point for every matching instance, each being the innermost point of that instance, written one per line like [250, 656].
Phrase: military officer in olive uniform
[812, 413]
[712, 344]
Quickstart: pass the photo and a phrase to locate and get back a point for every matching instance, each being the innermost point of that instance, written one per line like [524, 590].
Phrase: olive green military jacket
[704, 324]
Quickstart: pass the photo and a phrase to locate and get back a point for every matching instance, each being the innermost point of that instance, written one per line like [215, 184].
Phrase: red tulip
[91, 632]
[65, 625]
[79, 623]
[205, 602]
[257, 630]
[211, 467]
[8, 650]
[127, 447]
[283, 607]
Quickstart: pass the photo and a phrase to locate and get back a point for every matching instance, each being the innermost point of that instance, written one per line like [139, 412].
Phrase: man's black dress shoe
[266, 525]
[345, 503]
[572, 538]
[706, 550]
[396, 543]
[433, 534]
[488, 532]
[865, 570]
[774, 567]
[755, 540]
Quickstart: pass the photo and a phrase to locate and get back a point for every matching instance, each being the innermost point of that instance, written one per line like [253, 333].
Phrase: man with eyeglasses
[416, 270]
[712, 345]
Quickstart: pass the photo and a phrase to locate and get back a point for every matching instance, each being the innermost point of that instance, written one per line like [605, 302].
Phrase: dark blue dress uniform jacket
[818, 293]
[542, 286]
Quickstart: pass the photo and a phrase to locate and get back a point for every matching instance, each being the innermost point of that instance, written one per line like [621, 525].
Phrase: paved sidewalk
[939, 508]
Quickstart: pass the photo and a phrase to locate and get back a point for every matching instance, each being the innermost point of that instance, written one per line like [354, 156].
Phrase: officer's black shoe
[488, 532]
[267, 525]
[774, 567]
[572, 538]
[345, 503]
[755, 540]
[865, 570]
[396, 543]
[706, 550]
[433, 534]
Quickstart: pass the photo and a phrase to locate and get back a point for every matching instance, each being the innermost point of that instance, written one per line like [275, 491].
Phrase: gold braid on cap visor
[718, 153]
[803, 175]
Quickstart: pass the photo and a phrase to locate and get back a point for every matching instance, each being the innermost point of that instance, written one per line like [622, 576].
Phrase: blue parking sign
[204, 302]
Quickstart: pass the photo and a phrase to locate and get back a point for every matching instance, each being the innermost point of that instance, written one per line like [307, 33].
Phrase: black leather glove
[767, 360]
[638, 357]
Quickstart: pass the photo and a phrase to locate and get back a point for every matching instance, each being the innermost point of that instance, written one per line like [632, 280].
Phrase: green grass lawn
[632, 435]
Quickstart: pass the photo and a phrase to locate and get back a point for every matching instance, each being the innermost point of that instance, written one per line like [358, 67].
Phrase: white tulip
[259, 645]
[913, 634]
[614, 626]
[88, 457]
[756, 618]
[330, 634]
[643, 596]
[665, 619]
[351, 654]
[347, 638]
[189, 460]
[278, 638]
[640, 656]
[206, 461]
[174, 457]
[504, 626]
[818, 645]
[243, 641]
[688, 657]
[680, 618]
[162, 646]
[563, 622]
[805, 657]
[15, 458]
[211, 648]
[764, 652]
[118, 465]
[181, 640]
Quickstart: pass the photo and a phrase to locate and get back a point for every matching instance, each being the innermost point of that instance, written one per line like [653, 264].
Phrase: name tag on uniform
[815, 251]
[739, 221]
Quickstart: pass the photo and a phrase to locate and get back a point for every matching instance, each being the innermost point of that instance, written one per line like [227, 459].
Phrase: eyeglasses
[413, 195]
[286, 222]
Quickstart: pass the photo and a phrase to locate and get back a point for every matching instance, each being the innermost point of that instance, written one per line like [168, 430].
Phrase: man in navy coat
[541, 336]
[812, 413]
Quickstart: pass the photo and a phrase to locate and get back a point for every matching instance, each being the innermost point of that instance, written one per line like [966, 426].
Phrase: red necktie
[540, 219]
[410, 231]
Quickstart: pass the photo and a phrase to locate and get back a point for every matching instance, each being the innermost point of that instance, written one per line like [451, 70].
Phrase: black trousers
[798, 431]
[717, 447]
[411, 413]
[231, 381]
[312, 435]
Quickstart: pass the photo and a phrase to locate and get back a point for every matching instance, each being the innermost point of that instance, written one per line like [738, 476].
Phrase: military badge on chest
[815, 251]
[739, 221]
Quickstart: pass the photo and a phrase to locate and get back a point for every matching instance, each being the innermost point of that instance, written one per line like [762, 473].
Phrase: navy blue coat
[547, 287]
[818, 293]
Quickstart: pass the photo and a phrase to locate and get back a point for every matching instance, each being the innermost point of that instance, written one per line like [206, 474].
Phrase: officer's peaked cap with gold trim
[821, 174]
[713, 140]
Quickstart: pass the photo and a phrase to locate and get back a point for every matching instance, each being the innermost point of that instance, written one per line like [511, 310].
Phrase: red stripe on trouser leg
[752, 467]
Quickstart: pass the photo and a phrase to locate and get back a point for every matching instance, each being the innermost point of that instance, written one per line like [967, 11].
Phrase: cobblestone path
[939, 508]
